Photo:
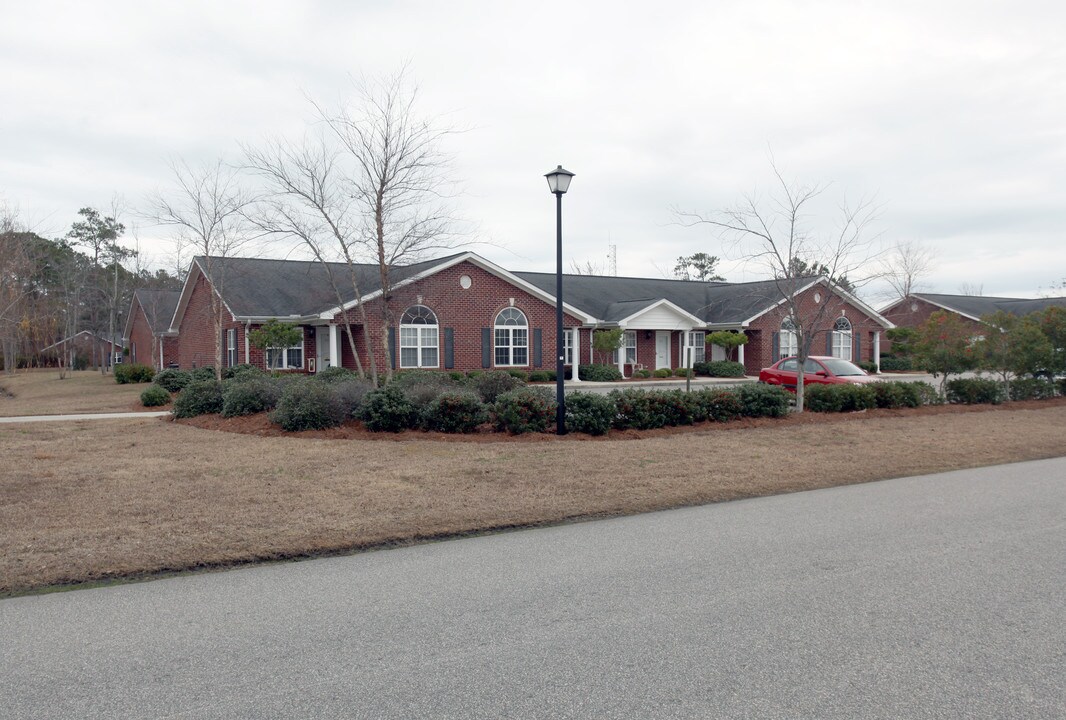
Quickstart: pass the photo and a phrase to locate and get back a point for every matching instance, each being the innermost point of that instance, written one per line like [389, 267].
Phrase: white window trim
[843, 341]
[697, 340]
[231, 347]
[285, 357]
[419, 345]
[510, 346]
[631, 359]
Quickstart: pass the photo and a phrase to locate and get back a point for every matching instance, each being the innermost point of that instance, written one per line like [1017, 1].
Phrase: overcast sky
[951, 114]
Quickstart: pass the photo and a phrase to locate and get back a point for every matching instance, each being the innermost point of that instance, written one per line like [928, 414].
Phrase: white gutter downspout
[247, 350]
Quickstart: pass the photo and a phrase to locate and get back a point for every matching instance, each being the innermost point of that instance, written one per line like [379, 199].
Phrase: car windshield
[842, 367]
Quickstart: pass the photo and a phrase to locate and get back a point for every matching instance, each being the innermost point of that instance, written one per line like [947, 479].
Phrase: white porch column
[877, 349]
[575, 353]
[740, 354]
[334, 346]
[622, 354]
[247, 345]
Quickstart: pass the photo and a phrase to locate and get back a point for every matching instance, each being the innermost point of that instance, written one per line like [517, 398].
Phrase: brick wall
[912, 312]
[141, 342]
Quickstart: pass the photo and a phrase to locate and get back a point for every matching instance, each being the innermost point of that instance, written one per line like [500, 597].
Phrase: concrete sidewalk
[84, 416]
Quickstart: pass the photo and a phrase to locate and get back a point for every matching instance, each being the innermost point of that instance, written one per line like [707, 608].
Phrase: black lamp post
[559, 183]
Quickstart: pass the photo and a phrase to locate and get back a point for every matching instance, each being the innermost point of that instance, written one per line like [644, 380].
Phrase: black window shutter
[829, 343]
[537, 337]
[392, 348]
[858, 347]
[776, 347]
[449, 348]
[486, 347]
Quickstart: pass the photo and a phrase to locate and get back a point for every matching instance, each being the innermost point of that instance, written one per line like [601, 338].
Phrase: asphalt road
[930, 597]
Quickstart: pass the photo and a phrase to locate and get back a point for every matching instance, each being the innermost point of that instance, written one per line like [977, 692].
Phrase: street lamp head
[559, 180]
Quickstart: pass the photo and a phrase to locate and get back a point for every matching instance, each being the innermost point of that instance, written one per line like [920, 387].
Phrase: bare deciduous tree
[15, 267]
[973, 289]
[775, 233]
[588, 268]
[399, 179]
[905, 267]
[308, 200]
[207, 207]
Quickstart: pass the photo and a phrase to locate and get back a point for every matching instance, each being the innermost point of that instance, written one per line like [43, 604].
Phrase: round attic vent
[464, 282]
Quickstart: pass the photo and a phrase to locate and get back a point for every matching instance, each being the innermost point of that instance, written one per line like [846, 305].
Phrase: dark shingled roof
[158, 306]
[978, 306]
[614, 298]
[254, 287]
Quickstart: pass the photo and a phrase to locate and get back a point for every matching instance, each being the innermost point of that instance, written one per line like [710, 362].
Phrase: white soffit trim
[663, 302]
[942, 306]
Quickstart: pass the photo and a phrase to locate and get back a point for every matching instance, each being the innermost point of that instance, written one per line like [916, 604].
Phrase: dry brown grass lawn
[92, 500]
[42, 392]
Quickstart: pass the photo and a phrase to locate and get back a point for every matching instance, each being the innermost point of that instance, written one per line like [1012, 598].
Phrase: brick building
[463, 312]
[147, 334]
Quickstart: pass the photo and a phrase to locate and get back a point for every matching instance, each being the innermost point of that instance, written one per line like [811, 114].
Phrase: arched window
[789, 341]
[842, 339]
[511, 337]
[419, 344]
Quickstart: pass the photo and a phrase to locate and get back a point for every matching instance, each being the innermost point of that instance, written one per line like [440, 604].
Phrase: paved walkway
[83, 416]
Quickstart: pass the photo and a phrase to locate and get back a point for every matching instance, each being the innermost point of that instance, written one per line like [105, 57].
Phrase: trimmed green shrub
[868, 366]
[973, 391]
[540, 376]
[676, 407]
[927, 393]
[490, 385]
[387, 410]
[717, 404]
[519, 375]
[599, 373]
[474, 373]
[524, 410]
[335, 374]
[725, 368]
[683, 372]
[589, 413]
[455, 411]
[308, 405]
[759, 400]
[1061, 383]
[896, 394]
[1031, 389]
[203, 373]
[241, 372]
[350, 394]
[841, 397]
[172, 380]
[642, 373]
[458, 377]
[247, 395]
[663, 373]
[701, 368]
[199, 397]
[421, 387]
[154, 396]
[130, 373]
[896, 364]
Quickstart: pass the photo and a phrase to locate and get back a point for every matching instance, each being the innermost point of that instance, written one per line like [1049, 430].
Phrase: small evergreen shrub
[599, 373]
[841, 397]
[1061, 383]
[350, 394]
[759, 400]
[203, 373]
[642, 373]
[702, 368]
[459, 378]
[519, 375]
[471, 374]
[868, 366]
[172, 380]
[896, 394]
[491, 385]
[387, 410]
[663, 373]
[131, 373]
[683, 372]
[308, 405]
[540, 376]
[675, 407]
[895, 364]
[524, 410]
[927, 393]
[715, 404]
[154, 396]
[249, 395]
[725, 369]
[421, 387]
[241, 372]
[634, 409]
[336, 374]
[199, 397]
[589, 413]
[974, 391]
[455, 411]
[1031, 389]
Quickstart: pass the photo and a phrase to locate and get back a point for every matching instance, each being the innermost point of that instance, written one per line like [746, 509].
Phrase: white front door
[662, 349]
[322, 360]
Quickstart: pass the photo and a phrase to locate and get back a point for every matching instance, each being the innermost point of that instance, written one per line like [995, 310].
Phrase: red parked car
[818, 370]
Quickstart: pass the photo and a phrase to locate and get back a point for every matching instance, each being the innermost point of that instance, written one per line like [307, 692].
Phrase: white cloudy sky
[953, 114]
